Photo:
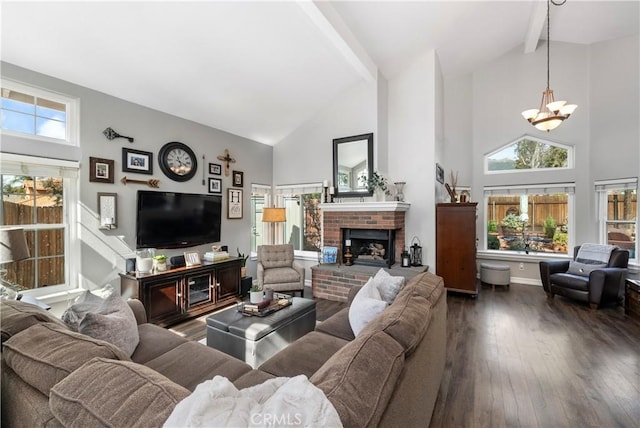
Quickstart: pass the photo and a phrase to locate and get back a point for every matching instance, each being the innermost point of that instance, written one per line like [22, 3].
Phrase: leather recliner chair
[601, 285]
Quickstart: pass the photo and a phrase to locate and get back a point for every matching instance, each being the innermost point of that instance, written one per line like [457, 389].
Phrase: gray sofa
[387, 376]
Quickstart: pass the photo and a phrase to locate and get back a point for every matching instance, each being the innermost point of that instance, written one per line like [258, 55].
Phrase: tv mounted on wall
[176, 220]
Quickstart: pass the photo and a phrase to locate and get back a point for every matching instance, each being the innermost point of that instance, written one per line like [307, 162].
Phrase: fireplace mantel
[366, 206]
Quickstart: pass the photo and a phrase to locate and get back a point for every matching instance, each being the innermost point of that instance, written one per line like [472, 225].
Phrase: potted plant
[160, 263]
[378, 184]
[255, 294]
[243, 269]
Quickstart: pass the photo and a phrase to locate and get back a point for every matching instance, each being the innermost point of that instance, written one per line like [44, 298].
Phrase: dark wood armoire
[456, 246]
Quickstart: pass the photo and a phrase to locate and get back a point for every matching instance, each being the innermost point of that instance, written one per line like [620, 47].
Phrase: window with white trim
[618, 213]
[260, 197]
[528, 153]
[530, 219]
[36, 113]
[40, 196]
[303, 227]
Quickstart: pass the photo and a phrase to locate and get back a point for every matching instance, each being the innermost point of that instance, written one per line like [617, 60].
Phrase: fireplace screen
[374, 247]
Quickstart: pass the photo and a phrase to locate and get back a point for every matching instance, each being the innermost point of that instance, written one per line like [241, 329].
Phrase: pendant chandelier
[551, 112]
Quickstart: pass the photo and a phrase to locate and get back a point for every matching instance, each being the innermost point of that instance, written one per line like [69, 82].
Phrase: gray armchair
[601, 285]
[278, 271]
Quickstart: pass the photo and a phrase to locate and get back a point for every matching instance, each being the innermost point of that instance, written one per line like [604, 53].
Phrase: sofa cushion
[337, 325]
[113, 322]
[86, 302]
[192, 362]
[44, 354]
[388, 286]
[18, 316]
[280, 275]
[252, 378]
[365, 306]
[155, 341]
[135, 396]
[408, 318]
[304, 356]
[360, 378]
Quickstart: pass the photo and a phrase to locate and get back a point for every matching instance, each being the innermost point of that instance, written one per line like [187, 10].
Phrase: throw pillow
[86, 302]
[46, 353]
[388, 286]
[584, 269]
[113, 322]
[366, 305]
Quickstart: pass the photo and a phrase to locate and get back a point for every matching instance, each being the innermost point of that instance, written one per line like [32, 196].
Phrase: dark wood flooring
[516, 359]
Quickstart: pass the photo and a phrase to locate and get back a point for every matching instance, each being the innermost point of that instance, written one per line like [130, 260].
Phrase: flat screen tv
[176, 220]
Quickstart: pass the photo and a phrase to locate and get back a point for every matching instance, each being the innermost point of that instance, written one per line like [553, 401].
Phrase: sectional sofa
[389, 375]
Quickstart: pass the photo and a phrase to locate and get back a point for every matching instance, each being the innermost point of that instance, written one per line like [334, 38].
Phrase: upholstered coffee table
[255, 339]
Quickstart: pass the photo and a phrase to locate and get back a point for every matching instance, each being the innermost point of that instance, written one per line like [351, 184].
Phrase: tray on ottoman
[255, 339]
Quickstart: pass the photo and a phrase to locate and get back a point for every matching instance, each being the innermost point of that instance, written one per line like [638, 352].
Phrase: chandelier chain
[548, 41]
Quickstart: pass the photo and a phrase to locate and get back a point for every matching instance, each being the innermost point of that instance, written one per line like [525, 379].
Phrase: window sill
[520, 256]
[51, 296]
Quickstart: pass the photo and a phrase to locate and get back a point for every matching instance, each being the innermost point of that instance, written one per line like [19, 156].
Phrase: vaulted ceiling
[261, 69]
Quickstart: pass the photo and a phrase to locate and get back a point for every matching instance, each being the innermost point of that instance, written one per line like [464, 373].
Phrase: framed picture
[238, 179]
[329, 255]
[215, 169]
[234, 203]
[192, 258]
[215, 185]
[101, 170]
[439, 173]
[137, 161]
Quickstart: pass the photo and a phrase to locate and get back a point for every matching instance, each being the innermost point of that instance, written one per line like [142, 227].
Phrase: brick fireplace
[370, 216]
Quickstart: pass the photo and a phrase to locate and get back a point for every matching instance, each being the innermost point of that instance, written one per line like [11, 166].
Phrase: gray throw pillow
[86, 302]
[388, 286]
[113, 322]
[584, 269]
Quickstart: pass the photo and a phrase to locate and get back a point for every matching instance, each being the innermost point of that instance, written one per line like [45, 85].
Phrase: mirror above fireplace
[352, 165]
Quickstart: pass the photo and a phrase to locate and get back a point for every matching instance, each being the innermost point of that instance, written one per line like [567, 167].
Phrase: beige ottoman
[495, 274]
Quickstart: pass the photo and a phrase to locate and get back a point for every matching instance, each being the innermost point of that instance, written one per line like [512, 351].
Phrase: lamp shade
[13, 245]
[274, 215]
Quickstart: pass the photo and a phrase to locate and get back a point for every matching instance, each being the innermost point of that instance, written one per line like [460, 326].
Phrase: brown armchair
[600, 285]
[278, 271]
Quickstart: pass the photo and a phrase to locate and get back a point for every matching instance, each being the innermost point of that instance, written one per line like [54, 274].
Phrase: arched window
[528, 153]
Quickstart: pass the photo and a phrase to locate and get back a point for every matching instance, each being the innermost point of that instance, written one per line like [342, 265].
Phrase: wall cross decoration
[227, 159]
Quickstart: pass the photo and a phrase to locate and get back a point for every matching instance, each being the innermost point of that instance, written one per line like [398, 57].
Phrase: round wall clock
[177, 161]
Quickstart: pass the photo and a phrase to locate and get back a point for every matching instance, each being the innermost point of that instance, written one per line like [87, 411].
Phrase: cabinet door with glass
[199, 288]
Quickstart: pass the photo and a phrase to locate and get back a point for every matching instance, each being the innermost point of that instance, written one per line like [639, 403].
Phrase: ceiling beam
[536, 23]
[329, 22]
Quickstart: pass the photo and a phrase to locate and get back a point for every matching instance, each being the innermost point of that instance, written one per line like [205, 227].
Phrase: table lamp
[13, 247]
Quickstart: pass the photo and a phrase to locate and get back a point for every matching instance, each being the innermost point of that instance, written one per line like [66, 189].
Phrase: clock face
[177, 161]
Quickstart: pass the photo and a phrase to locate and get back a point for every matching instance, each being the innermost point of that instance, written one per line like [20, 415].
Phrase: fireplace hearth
[373, 247]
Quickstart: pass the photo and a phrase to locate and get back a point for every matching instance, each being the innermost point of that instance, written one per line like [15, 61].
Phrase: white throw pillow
[366, 305]
[388, 286]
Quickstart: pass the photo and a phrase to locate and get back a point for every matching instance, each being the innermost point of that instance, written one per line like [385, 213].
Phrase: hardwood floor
[516, 359]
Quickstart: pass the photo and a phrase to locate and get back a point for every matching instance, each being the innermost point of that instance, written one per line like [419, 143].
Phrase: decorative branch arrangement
[153, 182]
[451, 189]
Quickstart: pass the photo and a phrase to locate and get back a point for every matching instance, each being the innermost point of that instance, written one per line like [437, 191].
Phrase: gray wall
[103, 252]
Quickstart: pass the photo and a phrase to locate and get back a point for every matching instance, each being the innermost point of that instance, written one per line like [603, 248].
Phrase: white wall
[306, 155]
[412, 141]
[103, 252]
